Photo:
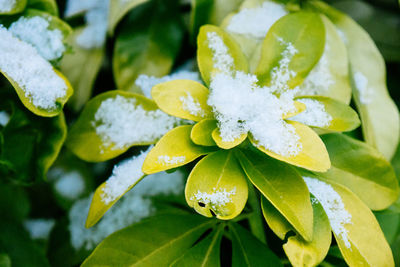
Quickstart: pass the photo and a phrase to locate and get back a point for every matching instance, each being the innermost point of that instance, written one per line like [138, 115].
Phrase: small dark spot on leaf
[201, 204]
[212, 212]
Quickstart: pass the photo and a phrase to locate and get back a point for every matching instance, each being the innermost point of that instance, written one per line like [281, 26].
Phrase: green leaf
[18, 7]
[31, 144]
[216, 135]
[156, 241]
[81, 68]
[5, 260]
[83, 140]
[49, 6]
[204, 253]
[217, 186]
[199, 15]
[174, 149]
[299, 251]
[148, 42]
[344, 118]
[184, 99]
[248, 250]
[118, 9]
[205, 54]
[222, 8]
[390, 225]
[14, 203]
[305, 31]
[201, 133]
[271, 178]
[379, 114]
[362, 169]
[334, 65]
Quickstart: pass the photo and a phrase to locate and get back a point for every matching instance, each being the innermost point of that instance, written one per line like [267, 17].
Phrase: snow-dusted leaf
[118, 9]
[217, 186]
[184, 99]
[114, 121]
[379, 114]
[299, 34]
[217, 52]
[216, 135]
[12, 7]
[299, 108]
[362, 169]
[49, 6]
[174, 149]
[272, 178]
[313, 154]
[147, 42]
[327, 113]
[156, 241]
[201, 133]
[299, 251]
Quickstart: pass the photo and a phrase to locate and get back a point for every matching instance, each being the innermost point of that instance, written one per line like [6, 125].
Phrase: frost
[121, 122]
[7, 5]
[132, 207]
[191, 105]
[145, 83]
[35, 31]
[314, 115]
[333, 205]
[216, 199]
[365, 92]
[256, 21]
[4, 118]
[70, 184]
[167, 160]
[96, 17]
[221, 58]
[124, 175]
[39, 228]
[22, 63]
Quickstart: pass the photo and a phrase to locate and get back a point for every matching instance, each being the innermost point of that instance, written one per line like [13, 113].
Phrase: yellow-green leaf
[379, 114]
[299, 251]
[313, 155]
[305, 32]
[362, 169]
[83, 139]
[300, 107]
[208, 60]
[272, 178]
[184, 99]
[343, 117]
[174, 149]
[16, 6]
[118, 9]
[216, 135]
[217, 186]
[202, 131]
[49, 6]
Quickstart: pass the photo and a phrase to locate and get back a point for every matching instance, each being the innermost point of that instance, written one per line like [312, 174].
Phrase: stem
[256, 219]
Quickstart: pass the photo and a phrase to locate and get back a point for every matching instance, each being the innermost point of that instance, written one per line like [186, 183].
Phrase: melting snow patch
[145, 83]
[39, 228]
[131, 208]
[167, 160]
[22, 63]
[35, 31]
[256, 21]
[191, 105]
[333, 206]
[121, 122]
[365, 93]
[314, 115]
[4, 118]
[124, 175]
[221, 57]
[216, 199]
[7, 5]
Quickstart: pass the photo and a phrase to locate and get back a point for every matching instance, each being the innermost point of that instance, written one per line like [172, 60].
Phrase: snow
[124, 175]
[314, 115]
[167, 160]
[365, 92]
[191, 105]
[218, 198]
[22, 63]
[70, 184]
[333, 205]
[39, 228]
[256, 21]
[131, 208]
[121, 122]
[222, 60]
[35, 31]
[145, 83]
[7, 5]
[4, 118]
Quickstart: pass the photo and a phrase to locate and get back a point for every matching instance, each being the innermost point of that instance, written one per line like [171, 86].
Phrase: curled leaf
[201, 133]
